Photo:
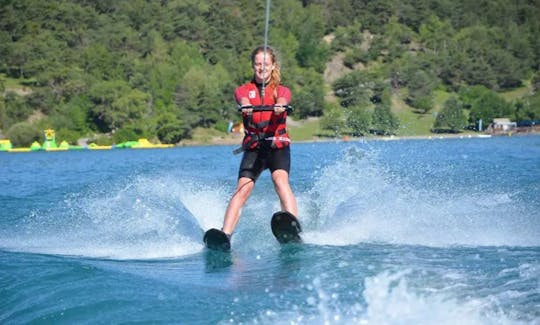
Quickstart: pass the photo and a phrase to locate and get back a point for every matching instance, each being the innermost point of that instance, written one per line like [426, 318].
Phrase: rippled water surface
[396, 232]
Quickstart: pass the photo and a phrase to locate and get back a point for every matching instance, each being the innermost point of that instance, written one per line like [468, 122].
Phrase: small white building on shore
[501, 125]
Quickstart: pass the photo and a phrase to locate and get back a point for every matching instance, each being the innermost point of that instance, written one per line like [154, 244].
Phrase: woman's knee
[243, 188]
[280, 179]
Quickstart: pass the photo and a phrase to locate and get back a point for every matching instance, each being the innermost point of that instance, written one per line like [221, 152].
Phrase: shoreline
[237, 139]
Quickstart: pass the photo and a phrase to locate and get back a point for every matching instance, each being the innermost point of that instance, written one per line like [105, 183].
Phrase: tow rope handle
[265, 108]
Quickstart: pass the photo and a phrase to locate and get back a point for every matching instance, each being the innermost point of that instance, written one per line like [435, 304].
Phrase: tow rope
[266, 23]
[265, 46]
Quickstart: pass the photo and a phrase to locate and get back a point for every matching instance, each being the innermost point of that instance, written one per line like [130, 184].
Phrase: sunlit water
[397, 232]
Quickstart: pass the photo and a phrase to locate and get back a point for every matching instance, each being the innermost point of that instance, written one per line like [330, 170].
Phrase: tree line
[160, 69]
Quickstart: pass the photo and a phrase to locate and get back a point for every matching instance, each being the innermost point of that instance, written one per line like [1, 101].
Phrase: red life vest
[264, 126]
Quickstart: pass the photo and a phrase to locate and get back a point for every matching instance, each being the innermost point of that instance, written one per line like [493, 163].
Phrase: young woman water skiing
[266, 144]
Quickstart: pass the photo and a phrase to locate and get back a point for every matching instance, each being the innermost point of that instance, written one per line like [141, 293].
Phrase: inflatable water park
[50, 144]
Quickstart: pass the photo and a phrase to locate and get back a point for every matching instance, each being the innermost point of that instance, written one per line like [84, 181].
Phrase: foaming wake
[388, 299]
[145, 218]
[356, 200]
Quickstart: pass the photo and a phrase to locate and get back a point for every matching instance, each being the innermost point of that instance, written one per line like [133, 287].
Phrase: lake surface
[443, 231]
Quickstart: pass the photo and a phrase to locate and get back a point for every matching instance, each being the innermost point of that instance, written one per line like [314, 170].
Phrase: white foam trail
[206, 204]
[355, 200]
[147, 218]
[391, 301]
[388, 300]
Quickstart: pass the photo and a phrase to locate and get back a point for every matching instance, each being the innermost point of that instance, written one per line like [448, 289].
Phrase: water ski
[286, 227]
[217, 240]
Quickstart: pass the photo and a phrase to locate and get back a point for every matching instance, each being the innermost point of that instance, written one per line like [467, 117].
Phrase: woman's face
[262, 69]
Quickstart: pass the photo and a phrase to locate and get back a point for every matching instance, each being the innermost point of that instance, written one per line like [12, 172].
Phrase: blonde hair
[275, 76]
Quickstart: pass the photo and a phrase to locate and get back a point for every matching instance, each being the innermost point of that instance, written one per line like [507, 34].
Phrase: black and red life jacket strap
[248, 122]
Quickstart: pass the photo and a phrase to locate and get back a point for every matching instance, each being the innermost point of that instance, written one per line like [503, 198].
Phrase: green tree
[16, 109]
[334, 119]
[99, 62]
[130, 107]
[518, 47]
[529, 108]
[421, 85]
[309, 29]
[22, 134]
[396, 36]
[116, 104]
[507, 69]
[374, 14]
[127, 133]
[63, 82]
[77, 110]
[487, 107]
[41, 99]
[534, 41]
[171, 129]
[188, 18]
[467, 95]
[535, 82]
[435, 34]
[354, 89]
[199, 97]
[309, 99]
[338, 13]
[2, 105]
[348, 36]
[358, 120]
[411, 13]
[484, 58]
[451, 118]
[383, 120]
[18, 59]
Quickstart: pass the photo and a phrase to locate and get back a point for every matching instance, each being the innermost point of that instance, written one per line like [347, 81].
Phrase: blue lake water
[442, 231]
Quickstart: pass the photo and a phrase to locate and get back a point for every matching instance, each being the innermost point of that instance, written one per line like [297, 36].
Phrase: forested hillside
[126, 69]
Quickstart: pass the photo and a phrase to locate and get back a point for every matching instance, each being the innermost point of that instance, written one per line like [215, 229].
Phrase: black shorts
[254, 162]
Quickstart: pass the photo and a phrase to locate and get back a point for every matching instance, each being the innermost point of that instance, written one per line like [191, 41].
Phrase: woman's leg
[280, 178]
[232, 214]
